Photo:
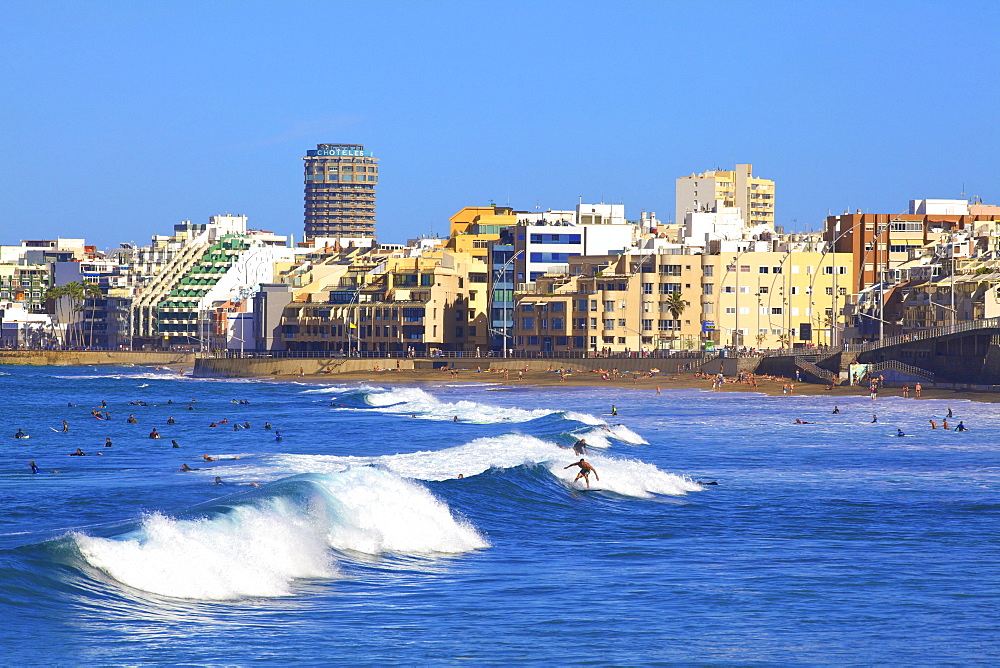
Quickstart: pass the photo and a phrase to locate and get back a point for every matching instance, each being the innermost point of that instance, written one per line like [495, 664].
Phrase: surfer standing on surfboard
[585, 471]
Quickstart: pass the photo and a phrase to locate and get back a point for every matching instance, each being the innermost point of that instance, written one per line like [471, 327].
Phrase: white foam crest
[327, 389]
[415, 401]
[585, 418]
[468, 459]
[378, 511]
[626, 477]
[249, 551]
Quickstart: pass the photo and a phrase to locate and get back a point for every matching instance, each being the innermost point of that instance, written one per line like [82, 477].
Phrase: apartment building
[630, 302]
[767, 299]
[390, 304]
[754, 196]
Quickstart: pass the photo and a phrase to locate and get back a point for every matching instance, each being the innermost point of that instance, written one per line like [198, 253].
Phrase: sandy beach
[685, 381]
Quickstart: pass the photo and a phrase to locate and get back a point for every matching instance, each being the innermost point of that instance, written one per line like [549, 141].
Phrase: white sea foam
[601, 437]
[623, 476]
[626, 477]
[247, 552]
[415, 401]
[260, 549]
[327, 389]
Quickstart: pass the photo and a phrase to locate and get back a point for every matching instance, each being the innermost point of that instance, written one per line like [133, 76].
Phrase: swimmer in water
[78, 453]
[218, 480]
[798, 421]
[585, 471]
[107, 442]
[185, 467]
[170, 420]
[267, 426]
[154, 433]
[277, 434]
[175, 444]
[34, 469]
[131, 419]
[455, 419]
[961, 426]
[933, 424]
[208, 458]
[65, 425]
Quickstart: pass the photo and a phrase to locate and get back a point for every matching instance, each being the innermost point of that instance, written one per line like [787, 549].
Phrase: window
[426, 279]
[558, 307]
[544, 322]
[763, 270]
[670, 270]
[647, 288]
[708, 271]
[609, 323]
[528, 323]
[593, 323]
[593, 304]
[532, 340]
[794, 290]
[829, 291]
[745, 268]
[558, 323]
[730, 310]
[621, 322]
[728, 288]
[647, 325]
[527, 308]
[706, 288]
[841, 291]
[776, 310]
[669, 325]
[459, 333]
[763, 290]
[609, 305]
[669, 288]
[775, 270]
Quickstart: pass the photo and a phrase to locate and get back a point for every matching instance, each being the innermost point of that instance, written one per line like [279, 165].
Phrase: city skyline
[124, 121]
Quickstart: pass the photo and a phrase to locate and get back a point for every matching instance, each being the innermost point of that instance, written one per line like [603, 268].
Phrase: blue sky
[119, 119]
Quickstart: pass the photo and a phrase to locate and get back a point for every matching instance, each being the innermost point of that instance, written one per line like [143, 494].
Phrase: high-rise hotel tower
[340, 182]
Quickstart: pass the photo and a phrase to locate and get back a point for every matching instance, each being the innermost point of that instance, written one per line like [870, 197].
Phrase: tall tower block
[340, 183]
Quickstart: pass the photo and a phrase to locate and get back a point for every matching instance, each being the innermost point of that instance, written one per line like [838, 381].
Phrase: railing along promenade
[987, 323]
[456, 354]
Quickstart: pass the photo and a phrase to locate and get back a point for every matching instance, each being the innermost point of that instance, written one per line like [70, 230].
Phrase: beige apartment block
[737, 188]
[770, 300]
[624, 303]
[389, 304]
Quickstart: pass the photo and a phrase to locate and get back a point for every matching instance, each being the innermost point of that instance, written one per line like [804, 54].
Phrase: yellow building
[775, 299]
[616, 303]
[385, 303]
[737, 188]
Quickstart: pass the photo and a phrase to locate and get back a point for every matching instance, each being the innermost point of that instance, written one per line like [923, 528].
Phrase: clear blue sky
[118, 119]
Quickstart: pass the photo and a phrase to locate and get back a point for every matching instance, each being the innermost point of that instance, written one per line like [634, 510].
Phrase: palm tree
[78, 294]
[676, 305]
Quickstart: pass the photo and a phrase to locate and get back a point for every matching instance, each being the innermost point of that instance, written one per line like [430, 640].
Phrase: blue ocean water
[354, 540]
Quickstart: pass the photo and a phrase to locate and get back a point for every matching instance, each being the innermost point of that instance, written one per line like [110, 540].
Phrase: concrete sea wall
[95, 358]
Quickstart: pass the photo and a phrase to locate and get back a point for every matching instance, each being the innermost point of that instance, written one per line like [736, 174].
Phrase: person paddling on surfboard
[585, 471]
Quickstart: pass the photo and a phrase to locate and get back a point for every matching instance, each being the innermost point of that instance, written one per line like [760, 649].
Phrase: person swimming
[267, 426]
[34, 469]
[131, 419]
[277, 434]
[798, 421]
[107, 442]
[961, 426]
[175, 444]
[170, 420]
[78, 453]
[246, 425]
[208, 458]
[185, 467]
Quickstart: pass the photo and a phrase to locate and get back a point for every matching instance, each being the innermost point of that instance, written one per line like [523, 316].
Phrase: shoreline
[685, 381]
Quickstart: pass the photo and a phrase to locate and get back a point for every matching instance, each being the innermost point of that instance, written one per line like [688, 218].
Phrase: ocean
[378, 530]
